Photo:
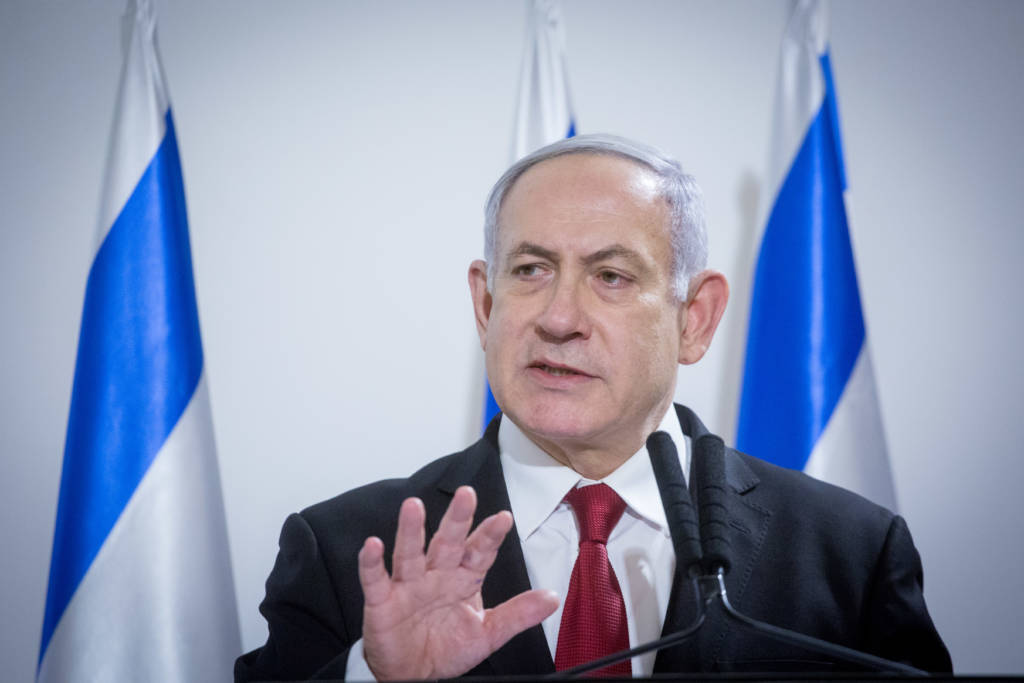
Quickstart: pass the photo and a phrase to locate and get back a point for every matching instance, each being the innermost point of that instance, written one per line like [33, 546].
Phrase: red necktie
[594, 616]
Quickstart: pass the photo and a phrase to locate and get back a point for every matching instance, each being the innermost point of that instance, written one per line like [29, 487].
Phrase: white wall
[336, 157]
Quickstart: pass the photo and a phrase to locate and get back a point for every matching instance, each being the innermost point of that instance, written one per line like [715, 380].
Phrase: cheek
[502, 338]
[656, 347]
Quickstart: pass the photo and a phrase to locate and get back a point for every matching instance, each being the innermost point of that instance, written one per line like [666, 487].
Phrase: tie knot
[598, 509]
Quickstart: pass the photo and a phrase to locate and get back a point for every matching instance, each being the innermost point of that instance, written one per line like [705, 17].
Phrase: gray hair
[687, 232]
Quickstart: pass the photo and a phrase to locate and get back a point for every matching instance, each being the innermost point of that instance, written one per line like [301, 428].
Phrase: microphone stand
[713, 586]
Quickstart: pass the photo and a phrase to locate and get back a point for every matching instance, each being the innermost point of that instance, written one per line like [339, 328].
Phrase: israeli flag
[544, 114]
[809, 400]
[140, 582]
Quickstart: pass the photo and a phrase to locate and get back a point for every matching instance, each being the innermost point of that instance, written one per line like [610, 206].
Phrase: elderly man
[594, 290]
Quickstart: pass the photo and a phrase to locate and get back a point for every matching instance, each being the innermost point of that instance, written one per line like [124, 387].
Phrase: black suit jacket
[806, 556]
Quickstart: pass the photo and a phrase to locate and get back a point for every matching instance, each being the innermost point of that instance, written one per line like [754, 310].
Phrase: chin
[555, 421]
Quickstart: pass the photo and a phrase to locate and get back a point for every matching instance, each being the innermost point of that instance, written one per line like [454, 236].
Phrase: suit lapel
[527, 653]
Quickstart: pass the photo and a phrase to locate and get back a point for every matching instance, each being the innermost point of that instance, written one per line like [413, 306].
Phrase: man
[594, 290]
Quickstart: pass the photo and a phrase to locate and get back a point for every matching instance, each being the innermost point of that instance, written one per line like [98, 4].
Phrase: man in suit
[593, 291]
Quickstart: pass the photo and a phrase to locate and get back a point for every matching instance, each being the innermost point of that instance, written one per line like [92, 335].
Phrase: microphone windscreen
[675, 498]
[709, 463]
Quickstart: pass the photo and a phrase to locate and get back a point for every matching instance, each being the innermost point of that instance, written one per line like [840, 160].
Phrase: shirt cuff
[356, 668]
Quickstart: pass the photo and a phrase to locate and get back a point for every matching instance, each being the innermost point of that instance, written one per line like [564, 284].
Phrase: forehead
[586, 197]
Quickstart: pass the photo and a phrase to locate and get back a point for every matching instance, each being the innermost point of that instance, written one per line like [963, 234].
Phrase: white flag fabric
[809, 400]
[544, 114]
[140, 584]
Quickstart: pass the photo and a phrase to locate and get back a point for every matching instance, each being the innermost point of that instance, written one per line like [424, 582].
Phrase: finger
[518, 614]
[449, 542]
[482, 545]
[408, 561]
[373, 576]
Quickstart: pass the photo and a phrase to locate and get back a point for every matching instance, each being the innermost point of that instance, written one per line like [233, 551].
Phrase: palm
[427, 619]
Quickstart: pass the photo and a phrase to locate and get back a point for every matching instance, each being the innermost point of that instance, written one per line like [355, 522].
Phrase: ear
[709, 292]
[481, 298]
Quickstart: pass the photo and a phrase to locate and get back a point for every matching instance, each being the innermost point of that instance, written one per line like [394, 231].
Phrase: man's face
[582, 336]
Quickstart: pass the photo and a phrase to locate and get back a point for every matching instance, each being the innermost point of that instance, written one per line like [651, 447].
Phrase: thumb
[518, 614]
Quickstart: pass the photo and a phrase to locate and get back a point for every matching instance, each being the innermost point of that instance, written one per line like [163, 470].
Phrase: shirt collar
[537, 483]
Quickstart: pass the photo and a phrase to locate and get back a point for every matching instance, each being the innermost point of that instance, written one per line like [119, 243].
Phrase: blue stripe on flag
[139, 361]
[806, 327]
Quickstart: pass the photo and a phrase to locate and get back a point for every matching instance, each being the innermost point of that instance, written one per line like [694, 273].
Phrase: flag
[544, 114]
[809, 400]
[140, 584]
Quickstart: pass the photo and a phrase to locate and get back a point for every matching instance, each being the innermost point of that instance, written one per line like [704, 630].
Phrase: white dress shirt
[639, 547]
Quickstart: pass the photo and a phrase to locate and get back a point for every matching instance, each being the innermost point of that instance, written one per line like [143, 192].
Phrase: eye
[610, 277]
[527, 270]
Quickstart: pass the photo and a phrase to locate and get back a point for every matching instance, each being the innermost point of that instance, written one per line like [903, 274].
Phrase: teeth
[558, 372]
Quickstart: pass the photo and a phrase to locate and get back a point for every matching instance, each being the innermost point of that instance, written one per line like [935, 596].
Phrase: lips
[553, 369]
[557, 372]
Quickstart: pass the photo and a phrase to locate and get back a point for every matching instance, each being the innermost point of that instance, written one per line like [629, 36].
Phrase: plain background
[336, 159]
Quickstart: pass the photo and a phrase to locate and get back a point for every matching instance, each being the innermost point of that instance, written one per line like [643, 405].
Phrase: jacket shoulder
[794, 494]
[852, 563]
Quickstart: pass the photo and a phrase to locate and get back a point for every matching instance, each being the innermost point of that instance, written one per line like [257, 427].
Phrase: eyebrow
[608, 253]
[616, 251]
[531, 249]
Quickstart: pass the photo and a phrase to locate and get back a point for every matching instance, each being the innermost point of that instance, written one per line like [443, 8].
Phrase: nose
[564, 316]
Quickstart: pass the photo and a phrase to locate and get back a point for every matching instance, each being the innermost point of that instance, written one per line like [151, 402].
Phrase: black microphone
[675, 498]
[708, 469]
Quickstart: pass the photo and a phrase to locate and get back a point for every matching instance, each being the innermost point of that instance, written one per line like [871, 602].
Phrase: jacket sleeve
[307, 631]
[897, 625]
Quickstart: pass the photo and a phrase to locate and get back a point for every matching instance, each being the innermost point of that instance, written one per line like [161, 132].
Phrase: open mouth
[559, 370]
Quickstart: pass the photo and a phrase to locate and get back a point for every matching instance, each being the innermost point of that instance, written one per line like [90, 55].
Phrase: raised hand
[427, 619]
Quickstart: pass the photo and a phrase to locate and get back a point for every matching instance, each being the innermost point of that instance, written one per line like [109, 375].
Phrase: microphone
[675, 498]
[709, 474]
